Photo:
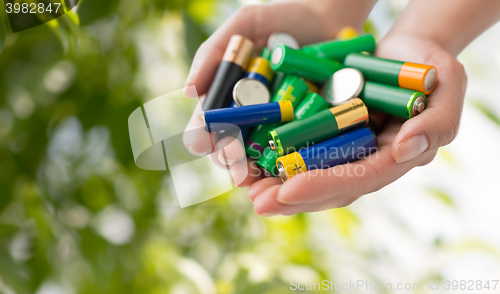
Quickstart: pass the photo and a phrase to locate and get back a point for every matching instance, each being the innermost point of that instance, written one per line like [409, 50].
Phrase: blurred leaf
[91, 11]
[478, 245]
[345, 221]
[70, 4]
[370, 28]
[3, 30]
[442, 196]
[7, 230]
[194, 36]
[447, 156]
[202, 10]
[484, 109]
[67, 29]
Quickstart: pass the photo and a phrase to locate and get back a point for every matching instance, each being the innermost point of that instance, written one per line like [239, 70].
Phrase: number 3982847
[32, 8]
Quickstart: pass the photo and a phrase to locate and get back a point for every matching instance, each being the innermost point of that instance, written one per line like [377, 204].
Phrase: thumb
[438, 124]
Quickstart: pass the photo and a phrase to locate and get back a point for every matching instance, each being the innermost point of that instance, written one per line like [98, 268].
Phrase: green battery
[338, 49]
[292, 88]
[318, 127]
[265, 53]
[408, 75]
[267, 162]
[299, 63]
[278, 79]
[393, 100]
[311, 104]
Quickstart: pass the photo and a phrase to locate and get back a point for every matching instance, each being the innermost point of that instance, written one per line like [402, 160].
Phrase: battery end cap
[290, 165]
[416, 104]
[277, 57]
[286, 108]
[275, 143]
[278, 38]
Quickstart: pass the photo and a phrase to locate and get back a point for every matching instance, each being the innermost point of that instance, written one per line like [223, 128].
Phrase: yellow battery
[347, 33]
[260, 66]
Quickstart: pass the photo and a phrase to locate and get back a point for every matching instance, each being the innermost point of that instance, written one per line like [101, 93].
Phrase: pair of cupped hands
[403, 144]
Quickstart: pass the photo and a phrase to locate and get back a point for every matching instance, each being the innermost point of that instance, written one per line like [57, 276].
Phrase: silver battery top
[343, 85]
[430, 80]
[282, 38]
[249, 92]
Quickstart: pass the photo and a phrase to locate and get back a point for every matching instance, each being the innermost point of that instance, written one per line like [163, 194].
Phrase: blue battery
[339, 150]
[244, 131]
[247, 116]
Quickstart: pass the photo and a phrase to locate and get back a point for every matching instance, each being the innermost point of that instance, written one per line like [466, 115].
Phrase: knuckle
[347, 202]
[245, 13]
[450, 130]
[203, 47]
[429, 157]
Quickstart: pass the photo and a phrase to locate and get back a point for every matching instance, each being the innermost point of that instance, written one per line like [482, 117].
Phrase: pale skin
[428, 31]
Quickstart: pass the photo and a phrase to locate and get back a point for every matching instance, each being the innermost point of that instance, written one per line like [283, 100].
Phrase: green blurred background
[78, 216]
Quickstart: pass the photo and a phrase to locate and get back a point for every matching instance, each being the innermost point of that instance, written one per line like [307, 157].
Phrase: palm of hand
[439, 123]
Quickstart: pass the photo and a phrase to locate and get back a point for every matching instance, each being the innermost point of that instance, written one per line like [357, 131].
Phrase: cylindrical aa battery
[338, 49]
[250, 91]
[392, 100]
[311, 104]
[247, 116]
[265, 53]
[278, 38]
[312, 87]
[267, 162]
[319, 127]
[279, 77]
[299, 63]
[347, 33]
[413, 76]
[260, 69]
[230, 71]
[292, 89]
[345, 148]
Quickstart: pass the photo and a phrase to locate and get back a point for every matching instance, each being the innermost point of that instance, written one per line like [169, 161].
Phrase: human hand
[258, 22]
[403, 145]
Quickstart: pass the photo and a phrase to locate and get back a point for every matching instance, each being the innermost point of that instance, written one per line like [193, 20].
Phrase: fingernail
[411, 148]
[194, 152]
[224, 160]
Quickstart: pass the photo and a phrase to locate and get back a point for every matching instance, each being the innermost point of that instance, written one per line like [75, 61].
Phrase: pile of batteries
[306, 108]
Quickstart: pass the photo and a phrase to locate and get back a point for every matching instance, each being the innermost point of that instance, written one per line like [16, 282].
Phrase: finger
[198, 141]
[210, 53]
[349, 181]
[230, 150]
[243, 173]
[256, 22]
[258, 187]
[438, 124]
[246, 174]
[266, 204]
